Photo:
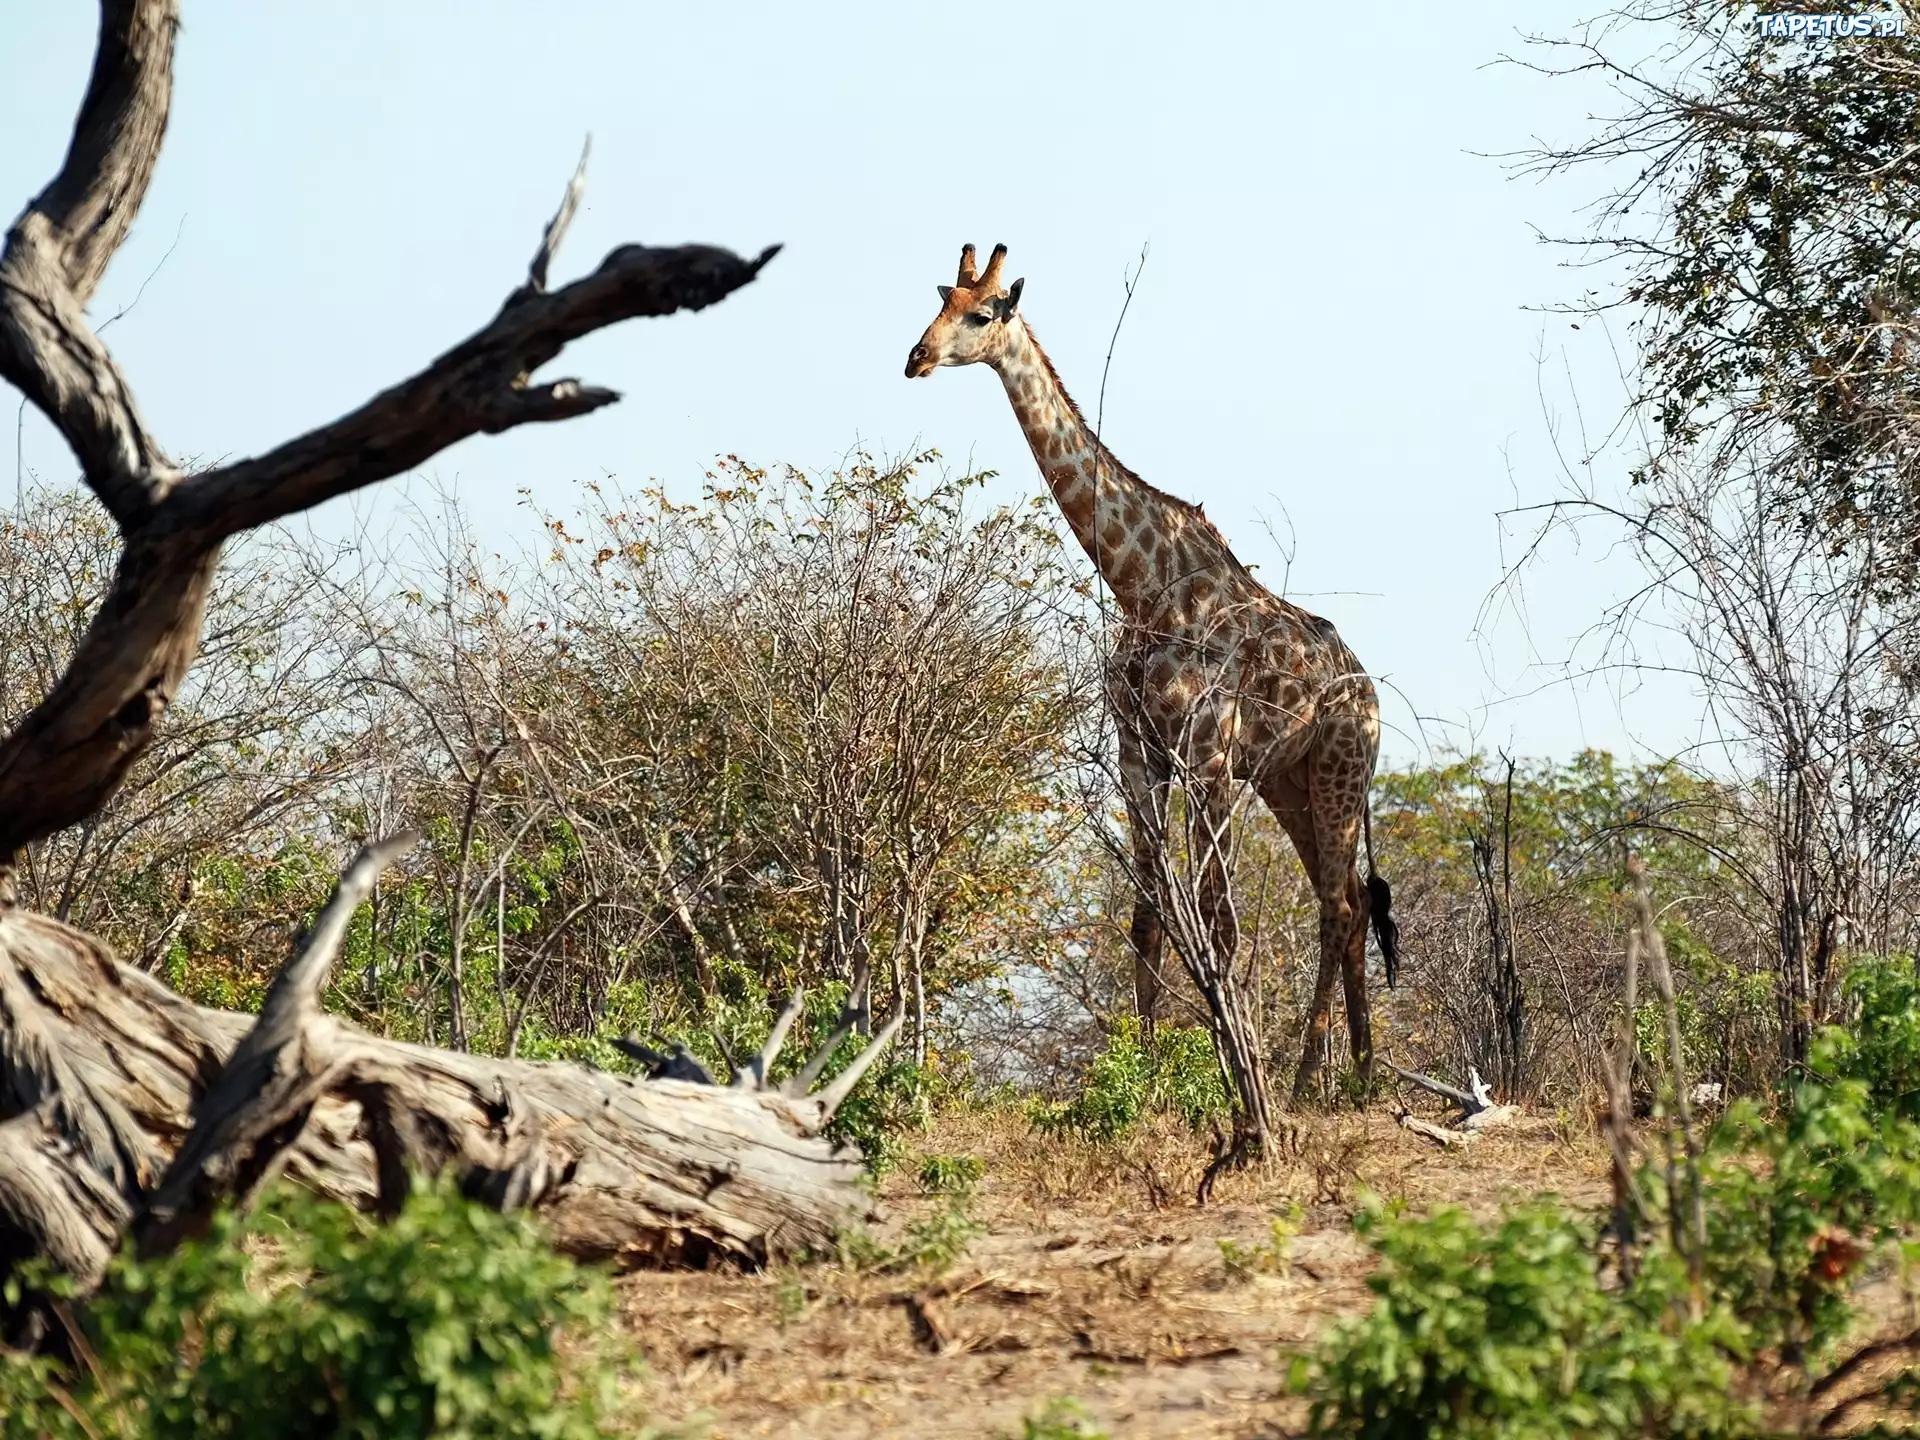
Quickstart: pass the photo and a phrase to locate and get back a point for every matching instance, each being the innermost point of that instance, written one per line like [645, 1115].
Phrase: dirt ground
[1097, 1278]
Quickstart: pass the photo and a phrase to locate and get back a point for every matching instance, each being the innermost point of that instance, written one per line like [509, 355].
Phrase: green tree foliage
[1762, 201]
[1764, 236]
[304, 1318]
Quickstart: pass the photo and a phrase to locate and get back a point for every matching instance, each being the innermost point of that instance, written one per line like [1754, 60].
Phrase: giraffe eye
[980, 317]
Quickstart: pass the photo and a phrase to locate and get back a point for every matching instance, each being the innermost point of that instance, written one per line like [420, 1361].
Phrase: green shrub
[951, 1174]
[1881, 1049]
[1273, 1257]
[306, 1318]
[1061, 1420]
[1510, 1330]
[935, 1242]
[1795, 1202]
[892, 1099]
[1177, 1073]
[1505, 1331]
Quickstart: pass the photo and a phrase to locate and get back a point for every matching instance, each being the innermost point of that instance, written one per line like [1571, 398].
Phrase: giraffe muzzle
[919, 363]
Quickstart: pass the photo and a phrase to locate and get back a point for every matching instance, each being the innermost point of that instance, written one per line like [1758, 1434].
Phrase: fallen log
[139, 1112]
[1445, 1138]
[1468, 1103]
[1478, 1112]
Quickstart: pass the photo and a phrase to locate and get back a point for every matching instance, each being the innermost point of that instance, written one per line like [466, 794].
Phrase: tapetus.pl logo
[1883, 26]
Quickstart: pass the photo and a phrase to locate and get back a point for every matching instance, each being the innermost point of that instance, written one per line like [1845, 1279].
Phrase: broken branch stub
[677, 1063]
[244, 1125]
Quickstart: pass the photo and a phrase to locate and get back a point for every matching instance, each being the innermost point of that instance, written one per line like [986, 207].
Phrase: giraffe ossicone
[1215, 681]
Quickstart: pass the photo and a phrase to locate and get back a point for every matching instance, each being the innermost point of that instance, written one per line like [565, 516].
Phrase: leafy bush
[891, 1100]
[1506, 1331]
[1061, 1420]
[935, 1242]
[1176, 1073]
[894, 1098]
[1797, 1202]
[1509, 1329]
[1881, 1049]
[1274, 1256]
[951, 1174]
[306, 1318]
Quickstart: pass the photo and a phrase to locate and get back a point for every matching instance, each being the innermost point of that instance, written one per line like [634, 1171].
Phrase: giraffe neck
[1137, 537]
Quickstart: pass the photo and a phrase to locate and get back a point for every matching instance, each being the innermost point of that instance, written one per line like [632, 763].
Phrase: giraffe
[1210, 668]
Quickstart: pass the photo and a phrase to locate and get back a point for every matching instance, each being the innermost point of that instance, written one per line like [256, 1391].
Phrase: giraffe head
[972, 324]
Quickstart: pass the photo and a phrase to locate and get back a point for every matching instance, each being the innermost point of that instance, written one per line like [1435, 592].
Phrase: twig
[557, 227]
[1694, 1243]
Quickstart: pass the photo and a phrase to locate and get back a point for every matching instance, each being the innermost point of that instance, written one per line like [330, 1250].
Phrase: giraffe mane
[1186, 507]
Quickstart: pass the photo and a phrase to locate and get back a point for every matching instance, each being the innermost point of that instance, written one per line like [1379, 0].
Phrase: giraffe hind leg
[1140, 772]
[1338, 772]
[1286, 796]
[1147, 940]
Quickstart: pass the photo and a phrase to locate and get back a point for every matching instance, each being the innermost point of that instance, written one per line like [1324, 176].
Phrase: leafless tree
[1185, 820]
[856, 715]
[1503, 994]
[1803, 666]
[102, 1069]
[255, 747]
[1758, 213]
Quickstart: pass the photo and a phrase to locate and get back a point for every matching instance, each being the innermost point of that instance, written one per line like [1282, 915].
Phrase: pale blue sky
[1331, 330]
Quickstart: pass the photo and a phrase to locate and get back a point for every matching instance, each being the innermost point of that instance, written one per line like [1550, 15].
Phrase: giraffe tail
[1380, 905]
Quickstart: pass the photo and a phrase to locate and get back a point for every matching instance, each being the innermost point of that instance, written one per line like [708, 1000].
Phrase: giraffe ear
[1013, 295]
[945, 291]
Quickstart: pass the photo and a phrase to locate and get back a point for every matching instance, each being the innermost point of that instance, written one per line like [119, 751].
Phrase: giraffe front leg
[1213, 840]
[1146, 935]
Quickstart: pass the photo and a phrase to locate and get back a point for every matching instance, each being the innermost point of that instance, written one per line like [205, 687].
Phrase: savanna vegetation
[676, 756]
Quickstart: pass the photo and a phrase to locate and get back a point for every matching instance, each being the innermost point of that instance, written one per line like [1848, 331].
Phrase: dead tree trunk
[134, 1109]
[123, 1108]
[1505, 999]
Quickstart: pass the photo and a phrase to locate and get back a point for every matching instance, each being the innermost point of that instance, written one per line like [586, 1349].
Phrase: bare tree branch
[73, 750]
[60, 246]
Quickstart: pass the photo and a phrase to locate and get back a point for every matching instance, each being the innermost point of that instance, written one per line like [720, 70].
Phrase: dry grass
[1097, 1278]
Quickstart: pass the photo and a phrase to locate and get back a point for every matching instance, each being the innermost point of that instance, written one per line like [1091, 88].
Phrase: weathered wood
[1459, 1097]
[1490, 1118]
[1468, 1130]
[629, 1170]
[1478, 1112]
[52, 1203]
[1448, 1139]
